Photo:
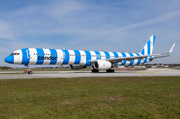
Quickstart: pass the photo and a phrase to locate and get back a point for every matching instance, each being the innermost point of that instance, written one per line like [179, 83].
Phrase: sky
[105, 25]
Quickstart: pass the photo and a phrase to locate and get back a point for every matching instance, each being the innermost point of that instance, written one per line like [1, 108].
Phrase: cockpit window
[14, 54]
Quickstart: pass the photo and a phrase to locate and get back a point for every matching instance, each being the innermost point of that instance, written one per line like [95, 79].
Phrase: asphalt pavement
[71, 74]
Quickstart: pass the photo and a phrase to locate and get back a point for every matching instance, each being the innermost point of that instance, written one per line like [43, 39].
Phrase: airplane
[79, 59]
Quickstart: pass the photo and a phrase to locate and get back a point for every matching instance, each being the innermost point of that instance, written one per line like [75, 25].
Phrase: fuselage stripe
[107, 55]
[53, 56]
[25, 54]
[145, 60]
[139, 60]
[131, 63]
[40, 56]
[98, 54]
[88, 57]
[66, 57]
[124, 61]
[115, 54]
[77, 57]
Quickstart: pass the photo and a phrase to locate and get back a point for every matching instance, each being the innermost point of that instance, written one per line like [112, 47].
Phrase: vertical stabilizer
[148, 48]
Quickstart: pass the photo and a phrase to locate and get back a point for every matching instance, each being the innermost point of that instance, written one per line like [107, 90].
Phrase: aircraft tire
[94, 70]
[30, 72]
[110, 70]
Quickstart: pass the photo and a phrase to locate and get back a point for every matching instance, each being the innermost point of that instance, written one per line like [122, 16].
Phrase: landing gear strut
[110, 70]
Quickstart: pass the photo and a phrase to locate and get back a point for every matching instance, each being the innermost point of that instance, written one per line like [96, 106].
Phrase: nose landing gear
[29, 71]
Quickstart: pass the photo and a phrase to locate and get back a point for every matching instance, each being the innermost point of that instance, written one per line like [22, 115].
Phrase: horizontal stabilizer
[170, 51]
[160, 56]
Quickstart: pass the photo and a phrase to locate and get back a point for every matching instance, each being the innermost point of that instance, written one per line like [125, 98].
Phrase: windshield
[14, 54]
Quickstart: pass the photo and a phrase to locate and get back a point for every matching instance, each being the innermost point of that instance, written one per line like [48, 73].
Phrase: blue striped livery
[107, 55]
[81, 58]
[25, 56]
[124, 61]
[88, 58]
[98, 55]
[132, 62]
[53, 54]
[40, 56]
[77, 57]
[66, 57]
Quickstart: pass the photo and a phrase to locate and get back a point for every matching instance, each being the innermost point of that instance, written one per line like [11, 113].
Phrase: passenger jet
[79, 59]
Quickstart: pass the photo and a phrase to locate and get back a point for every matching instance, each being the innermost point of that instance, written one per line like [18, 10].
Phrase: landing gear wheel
[30, 72]
[94, 70]
[110, 70]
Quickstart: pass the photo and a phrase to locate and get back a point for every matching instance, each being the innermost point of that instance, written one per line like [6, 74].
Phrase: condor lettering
[47, 58]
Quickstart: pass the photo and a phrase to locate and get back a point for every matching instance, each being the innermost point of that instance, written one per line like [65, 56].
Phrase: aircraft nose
[9, 59]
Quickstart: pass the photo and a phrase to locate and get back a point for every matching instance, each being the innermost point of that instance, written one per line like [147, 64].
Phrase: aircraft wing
[119, 59]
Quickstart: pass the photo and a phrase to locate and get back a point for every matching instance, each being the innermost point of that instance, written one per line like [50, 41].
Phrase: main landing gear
[108, 70]
[94, 70]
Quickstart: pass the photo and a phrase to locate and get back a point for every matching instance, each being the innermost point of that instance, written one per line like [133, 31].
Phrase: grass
[79, 98]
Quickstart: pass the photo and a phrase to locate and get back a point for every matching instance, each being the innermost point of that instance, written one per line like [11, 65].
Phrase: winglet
[171, 48]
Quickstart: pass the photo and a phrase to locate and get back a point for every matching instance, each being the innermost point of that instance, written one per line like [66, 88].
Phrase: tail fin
[148, 48]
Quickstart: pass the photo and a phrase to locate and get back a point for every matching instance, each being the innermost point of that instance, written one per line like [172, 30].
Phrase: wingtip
[172, 48]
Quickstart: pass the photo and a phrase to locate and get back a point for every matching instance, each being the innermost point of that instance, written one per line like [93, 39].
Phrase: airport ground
[147, 93]
[91, 97]
[12, 74]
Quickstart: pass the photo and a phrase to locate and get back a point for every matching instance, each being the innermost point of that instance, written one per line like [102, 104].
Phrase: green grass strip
[94, 98]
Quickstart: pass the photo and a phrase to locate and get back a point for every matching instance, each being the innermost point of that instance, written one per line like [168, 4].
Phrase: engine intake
[100, 65]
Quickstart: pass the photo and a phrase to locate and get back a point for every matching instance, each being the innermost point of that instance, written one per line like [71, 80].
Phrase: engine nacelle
[76, 67]
[100, 64]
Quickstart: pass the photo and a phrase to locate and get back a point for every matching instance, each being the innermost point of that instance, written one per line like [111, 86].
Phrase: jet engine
[99, 65]
[76, 67]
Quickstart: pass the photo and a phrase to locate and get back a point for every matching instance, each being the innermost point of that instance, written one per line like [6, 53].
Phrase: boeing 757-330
[79, 59]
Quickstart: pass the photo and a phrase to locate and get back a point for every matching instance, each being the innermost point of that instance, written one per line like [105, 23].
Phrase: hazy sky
[106, 25]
